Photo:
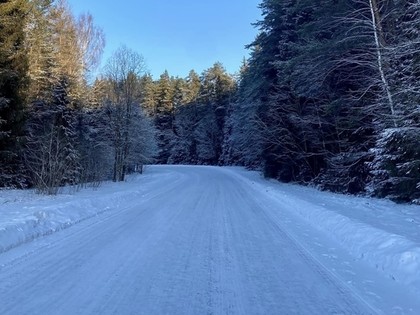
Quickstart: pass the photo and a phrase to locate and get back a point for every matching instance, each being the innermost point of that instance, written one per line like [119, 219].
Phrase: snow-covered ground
[25, 215]
[384, 234]
[195, 240]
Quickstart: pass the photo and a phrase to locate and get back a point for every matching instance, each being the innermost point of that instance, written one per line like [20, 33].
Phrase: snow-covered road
[201, 241]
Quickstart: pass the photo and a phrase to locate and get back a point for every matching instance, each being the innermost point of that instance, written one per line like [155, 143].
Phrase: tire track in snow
[202, 244]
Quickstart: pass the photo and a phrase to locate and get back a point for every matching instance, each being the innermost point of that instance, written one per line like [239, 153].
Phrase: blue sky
[177, 35]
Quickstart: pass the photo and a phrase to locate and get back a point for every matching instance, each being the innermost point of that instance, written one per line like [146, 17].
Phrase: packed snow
[194, 240]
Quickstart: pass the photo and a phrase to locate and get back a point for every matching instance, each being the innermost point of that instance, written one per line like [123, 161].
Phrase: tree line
[56, 128]
[330, 97]
[190, 115]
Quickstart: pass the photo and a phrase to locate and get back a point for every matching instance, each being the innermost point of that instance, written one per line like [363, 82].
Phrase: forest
[329, 97]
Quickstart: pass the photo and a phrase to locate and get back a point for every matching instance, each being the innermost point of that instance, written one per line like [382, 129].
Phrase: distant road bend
[202, 242]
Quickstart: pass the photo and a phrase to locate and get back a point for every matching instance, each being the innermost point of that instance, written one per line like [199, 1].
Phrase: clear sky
[177, 35]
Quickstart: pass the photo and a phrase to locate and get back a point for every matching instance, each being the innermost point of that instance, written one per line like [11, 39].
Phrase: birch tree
[379, 45]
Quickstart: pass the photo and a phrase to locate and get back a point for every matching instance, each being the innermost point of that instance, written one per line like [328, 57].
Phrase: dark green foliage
[396, 167]
[190, 116]
[311, 101]
[164, 116]
[93, 146]
[184, 146]
[214, 98]
[13, 67]
[51, 153]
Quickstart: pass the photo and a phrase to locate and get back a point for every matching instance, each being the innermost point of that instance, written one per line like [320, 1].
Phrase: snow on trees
[131, 136]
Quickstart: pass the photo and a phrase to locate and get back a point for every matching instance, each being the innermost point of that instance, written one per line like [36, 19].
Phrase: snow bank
[392, 254]
[25, 215]
[38, 220]
[379, 232]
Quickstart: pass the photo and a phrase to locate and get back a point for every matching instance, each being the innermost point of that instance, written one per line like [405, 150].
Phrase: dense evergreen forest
[329, 97]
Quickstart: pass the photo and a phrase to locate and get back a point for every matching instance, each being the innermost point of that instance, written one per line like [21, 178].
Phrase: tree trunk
[379, 43]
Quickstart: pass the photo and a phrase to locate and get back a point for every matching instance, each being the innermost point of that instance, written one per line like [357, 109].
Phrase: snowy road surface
[201, 241]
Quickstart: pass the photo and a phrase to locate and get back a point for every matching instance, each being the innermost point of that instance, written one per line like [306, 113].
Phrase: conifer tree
[148, 94]
[164, 117]
[217, 88]
[193, 86]
[62, 51]
[51, 155]
[396, 164]
[183, 146]
[41, 59]
[13, 80]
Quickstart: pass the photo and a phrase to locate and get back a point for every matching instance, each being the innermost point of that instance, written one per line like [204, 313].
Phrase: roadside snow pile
[393, 254]
[25, 215]
[379, 232]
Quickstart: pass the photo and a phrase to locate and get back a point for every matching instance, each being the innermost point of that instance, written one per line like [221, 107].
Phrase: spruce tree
[217, 89]
[148, 94]
[164, 117]
[396, 165]
[183, 146]
[13, 80]
[51, 153]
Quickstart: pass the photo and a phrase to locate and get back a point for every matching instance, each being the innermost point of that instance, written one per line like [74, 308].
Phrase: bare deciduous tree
[123, 72]
[91, 42]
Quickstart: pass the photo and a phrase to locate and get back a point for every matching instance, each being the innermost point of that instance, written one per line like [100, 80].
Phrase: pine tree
[94, 147]
[164, 117]
[329, 75]
[193, 86]
[183, 146]
[246, 137]
[231, 155]
[148, 95]
[180, 94]
[40, 50]
[51, 155]
[396, 166]
[217, 90]
[13, 79]
[60, 45]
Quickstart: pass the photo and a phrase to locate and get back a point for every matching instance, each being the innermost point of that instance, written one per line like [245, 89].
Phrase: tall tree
[164, 115]
[91, 42]
[257, 83]
[148, 94]
[396, 166]
[62, 51]
[193, 86]
[302, 97]
[13, 79]
[61, 46]
[41, 58]
[217, 90]
[51, 154]
[183, 146]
